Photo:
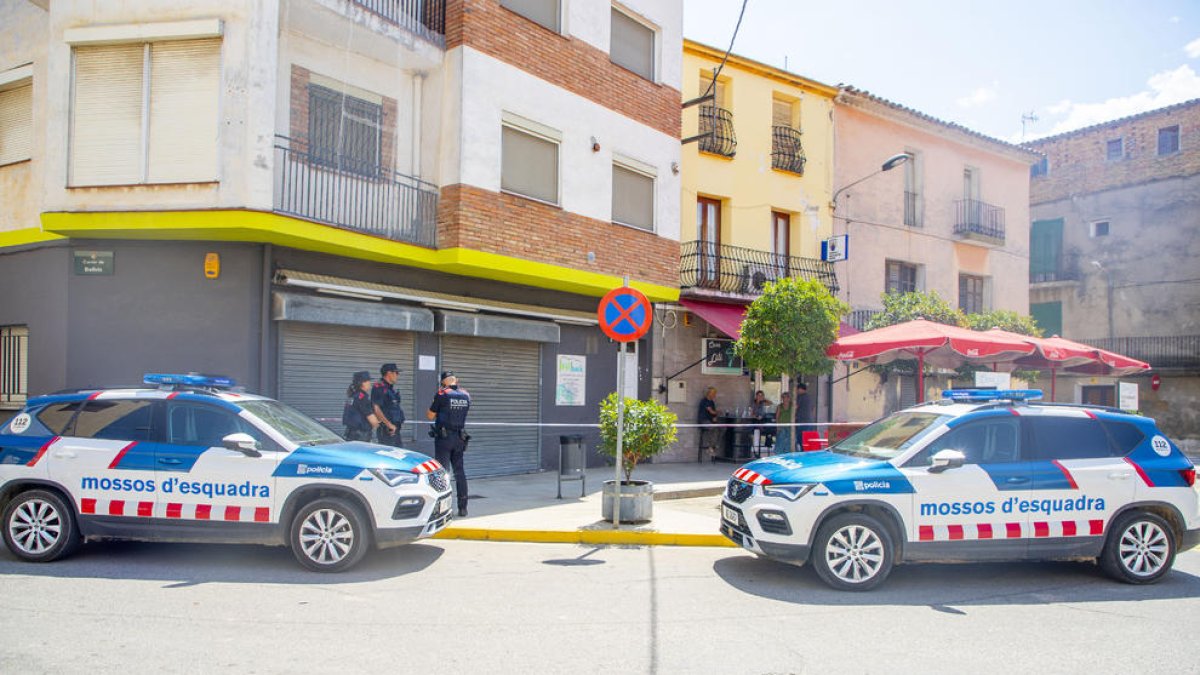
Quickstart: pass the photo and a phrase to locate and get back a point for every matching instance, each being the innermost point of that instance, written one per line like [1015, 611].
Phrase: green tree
[788, 328]
[1004, 319]
[649, 428]
[901, 307]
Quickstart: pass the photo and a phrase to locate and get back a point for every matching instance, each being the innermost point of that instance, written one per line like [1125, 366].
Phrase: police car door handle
[1120, 475]
[169, 460]
[65, 454]
[1014, 480]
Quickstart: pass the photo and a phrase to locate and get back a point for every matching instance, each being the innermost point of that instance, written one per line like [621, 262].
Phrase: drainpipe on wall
[418, 81]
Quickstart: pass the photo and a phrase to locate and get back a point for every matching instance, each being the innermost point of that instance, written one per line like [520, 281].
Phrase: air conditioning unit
[757, 275]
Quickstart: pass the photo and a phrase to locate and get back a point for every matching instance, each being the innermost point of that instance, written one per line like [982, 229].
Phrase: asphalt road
[482, 607]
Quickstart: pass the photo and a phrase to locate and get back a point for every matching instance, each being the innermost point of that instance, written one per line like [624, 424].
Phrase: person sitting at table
[707, 414]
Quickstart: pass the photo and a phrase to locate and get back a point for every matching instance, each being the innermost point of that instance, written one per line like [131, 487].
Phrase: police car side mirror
[946, 459]
[243, 443]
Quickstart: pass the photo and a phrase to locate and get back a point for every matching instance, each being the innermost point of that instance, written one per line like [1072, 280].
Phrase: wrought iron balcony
[716, 128]
[744, 271]
[787, 154]
[426, 18]
[1176, 351]
[326, 187]
[979, 220]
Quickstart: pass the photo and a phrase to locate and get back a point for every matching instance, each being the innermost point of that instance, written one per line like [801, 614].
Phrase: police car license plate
[730, 515]
[443, 505]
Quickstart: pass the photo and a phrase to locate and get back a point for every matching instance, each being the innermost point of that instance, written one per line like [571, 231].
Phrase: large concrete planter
[637, 500]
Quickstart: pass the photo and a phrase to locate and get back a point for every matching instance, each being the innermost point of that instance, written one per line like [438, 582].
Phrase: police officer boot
[462, 510]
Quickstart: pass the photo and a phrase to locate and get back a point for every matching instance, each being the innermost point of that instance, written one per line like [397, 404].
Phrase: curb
[608, 537]
[688, 493]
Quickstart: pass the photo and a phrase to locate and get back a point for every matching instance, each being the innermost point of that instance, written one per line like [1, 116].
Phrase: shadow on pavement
[193, 564]
[951, 588]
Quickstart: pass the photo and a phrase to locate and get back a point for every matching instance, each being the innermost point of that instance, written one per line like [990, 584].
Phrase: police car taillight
[190, 380]
[1189, 475]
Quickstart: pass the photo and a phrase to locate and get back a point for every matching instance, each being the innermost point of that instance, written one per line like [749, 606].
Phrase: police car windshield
[891, 436]
[293, 424]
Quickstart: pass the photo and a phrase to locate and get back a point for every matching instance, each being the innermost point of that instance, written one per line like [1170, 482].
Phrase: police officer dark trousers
[387, 405]
[359, 413]
[449, 413]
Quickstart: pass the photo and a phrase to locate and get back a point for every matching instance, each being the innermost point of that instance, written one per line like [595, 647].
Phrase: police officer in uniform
[449, 412]
[386, 401]
[359, 413]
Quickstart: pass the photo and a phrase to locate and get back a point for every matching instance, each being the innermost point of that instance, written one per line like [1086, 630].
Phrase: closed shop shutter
[503, 378]
[317, 362]
[106, 131]
[908, 391]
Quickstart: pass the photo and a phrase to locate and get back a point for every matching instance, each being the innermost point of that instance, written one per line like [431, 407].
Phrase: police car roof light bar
[189, 380]
[964, 395]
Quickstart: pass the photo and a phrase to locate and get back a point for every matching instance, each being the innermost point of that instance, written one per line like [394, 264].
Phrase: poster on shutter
[1127, 395]
[572, 380]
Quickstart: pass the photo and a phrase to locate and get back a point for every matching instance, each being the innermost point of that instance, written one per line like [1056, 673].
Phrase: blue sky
[1072, 63]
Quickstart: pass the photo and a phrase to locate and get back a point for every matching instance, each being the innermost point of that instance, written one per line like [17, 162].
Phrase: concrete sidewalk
[526, 508]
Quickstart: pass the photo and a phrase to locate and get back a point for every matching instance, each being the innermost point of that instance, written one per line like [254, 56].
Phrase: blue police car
[978, 476]
[188, 458]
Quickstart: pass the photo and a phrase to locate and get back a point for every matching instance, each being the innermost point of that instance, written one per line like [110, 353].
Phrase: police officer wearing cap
[359, 414]
[449, 412]
[386, 401]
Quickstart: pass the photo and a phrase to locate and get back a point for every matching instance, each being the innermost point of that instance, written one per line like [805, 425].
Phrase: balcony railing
[859, 318]
[976, 219]
[1177, 351]
[426, 18]
[326, 187]
[716, 127]
[14, 361]
[787, 154]
[1059, 274]
[744, 271]
[911, 217]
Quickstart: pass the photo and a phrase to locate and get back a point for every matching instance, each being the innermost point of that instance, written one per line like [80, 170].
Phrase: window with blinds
[529, 165]
[145, 113]
[632, 198]
[544, 12]
[16, 123]
[632, 44]
[782, 113]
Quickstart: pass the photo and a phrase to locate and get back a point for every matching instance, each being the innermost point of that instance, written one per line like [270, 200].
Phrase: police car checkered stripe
[1031, 530]
[427, 467]
[174, 510]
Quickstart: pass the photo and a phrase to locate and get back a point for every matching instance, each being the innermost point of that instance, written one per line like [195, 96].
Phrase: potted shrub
[648, 430]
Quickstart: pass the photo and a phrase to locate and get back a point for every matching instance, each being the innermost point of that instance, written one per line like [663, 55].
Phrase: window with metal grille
[16, 123]
[344, 131]
[1168, 140]
[145, 113]
[632, 44]
[901, 277]
[14, 366]
[970, 293]
[544, 12]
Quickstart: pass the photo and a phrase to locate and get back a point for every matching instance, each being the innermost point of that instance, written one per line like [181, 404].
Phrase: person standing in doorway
[359, 414]
[707, 414]
[386, 401]
[449, 414]
[783, 421]
[804, 412]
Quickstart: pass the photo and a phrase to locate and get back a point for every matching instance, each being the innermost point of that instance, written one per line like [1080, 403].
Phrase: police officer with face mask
[449, 413]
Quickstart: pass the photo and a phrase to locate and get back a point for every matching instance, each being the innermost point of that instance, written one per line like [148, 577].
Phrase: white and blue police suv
[189, 459]
[978, 476]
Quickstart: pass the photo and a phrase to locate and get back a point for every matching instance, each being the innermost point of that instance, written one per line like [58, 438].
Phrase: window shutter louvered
[16, 124]
[184, 91]
[106, 122]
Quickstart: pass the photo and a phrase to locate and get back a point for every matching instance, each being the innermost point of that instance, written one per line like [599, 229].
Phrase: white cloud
[980, 96]
[1193, 49]
[1162, 89]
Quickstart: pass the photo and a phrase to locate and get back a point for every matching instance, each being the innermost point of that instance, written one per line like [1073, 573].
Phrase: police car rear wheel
[329, 535]
[1140, 549]
[853, 552]
[39, 527]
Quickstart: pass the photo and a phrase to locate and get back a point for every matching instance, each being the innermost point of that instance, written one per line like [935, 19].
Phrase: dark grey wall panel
[33, 293]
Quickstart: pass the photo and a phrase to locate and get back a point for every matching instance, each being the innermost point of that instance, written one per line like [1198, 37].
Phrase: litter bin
[571, 462]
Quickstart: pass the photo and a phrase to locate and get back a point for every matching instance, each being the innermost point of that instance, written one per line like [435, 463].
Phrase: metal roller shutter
[318, 360]
[503, 377]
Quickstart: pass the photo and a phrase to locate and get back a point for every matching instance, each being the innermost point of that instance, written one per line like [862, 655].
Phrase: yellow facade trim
[758, 68]
[272, 228]
[24, 237]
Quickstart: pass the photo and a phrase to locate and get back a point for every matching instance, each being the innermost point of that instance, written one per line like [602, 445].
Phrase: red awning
[725, 318]
[728, 318]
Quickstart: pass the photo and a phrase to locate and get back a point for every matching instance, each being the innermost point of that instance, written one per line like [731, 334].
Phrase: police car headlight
[394, 477]
[788, 492]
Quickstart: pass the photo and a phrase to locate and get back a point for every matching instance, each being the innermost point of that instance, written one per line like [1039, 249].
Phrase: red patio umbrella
[1058, 353]
[928, 341]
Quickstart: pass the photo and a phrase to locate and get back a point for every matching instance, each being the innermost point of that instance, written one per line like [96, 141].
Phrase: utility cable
[713, 84]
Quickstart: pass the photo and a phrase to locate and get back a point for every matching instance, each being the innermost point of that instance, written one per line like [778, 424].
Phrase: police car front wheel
[853, 552]
[1140, 549]
[39, 526]
[329, 535]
